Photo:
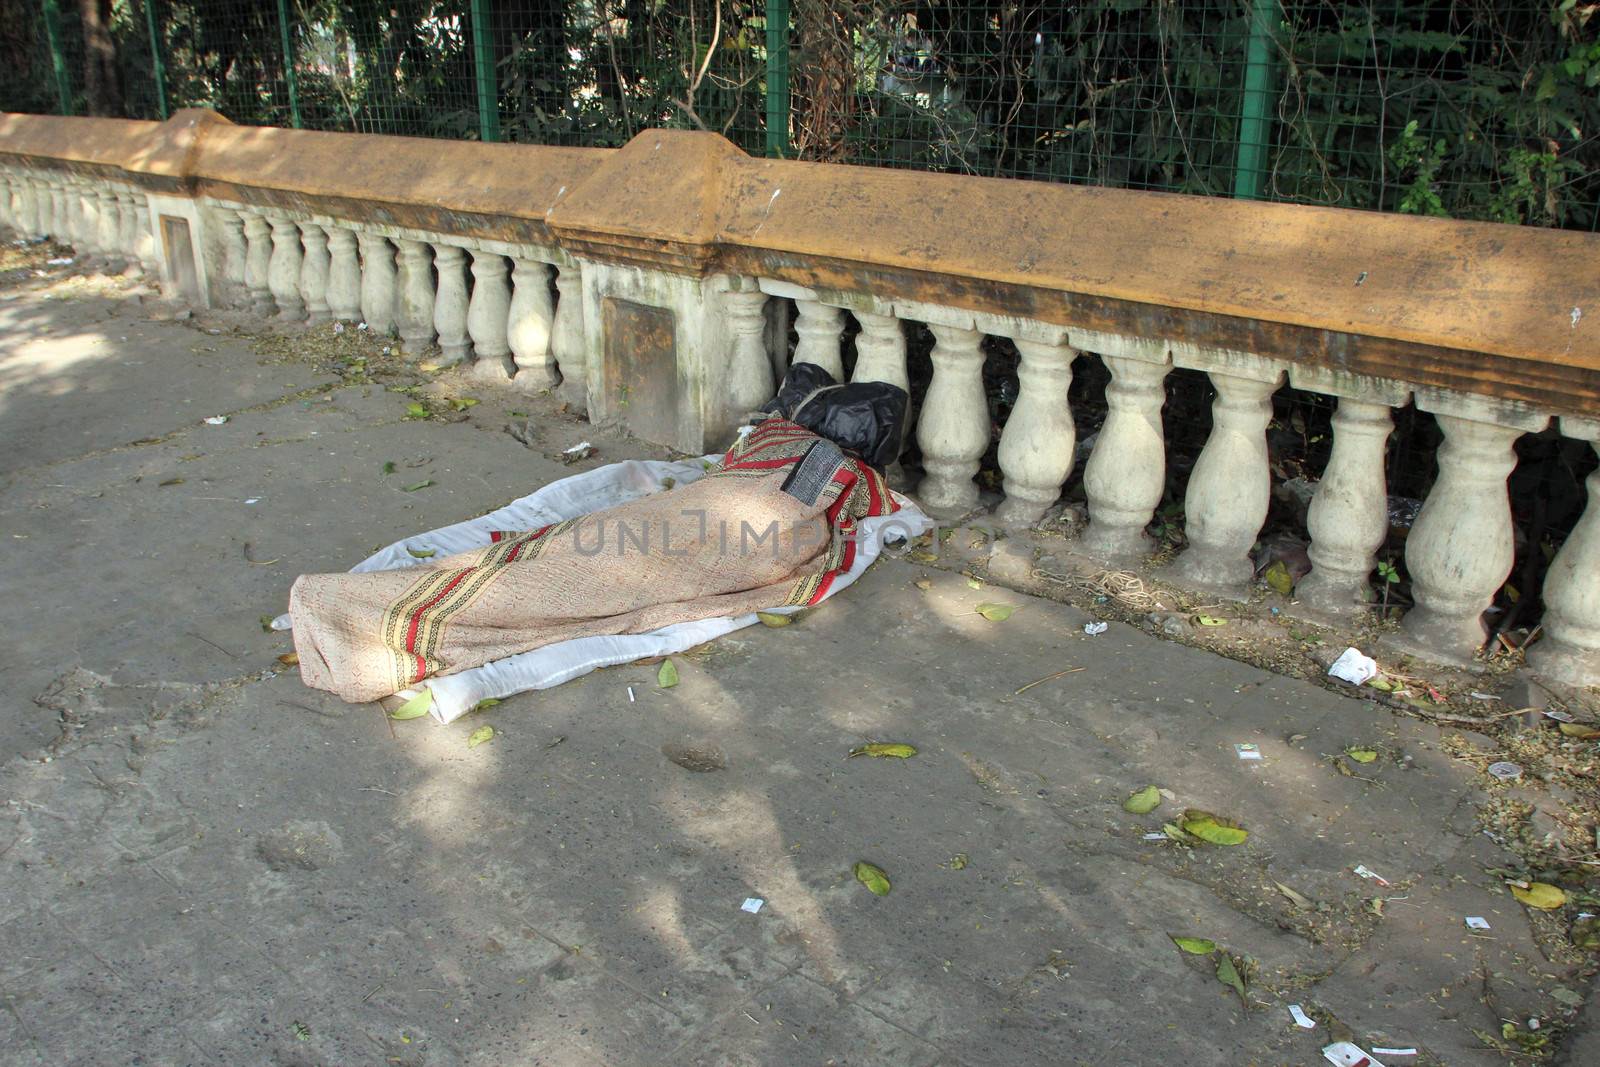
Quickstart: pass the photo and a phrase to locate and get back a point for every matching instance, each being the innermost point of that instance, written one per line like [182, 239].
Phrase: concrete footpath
[203, 862]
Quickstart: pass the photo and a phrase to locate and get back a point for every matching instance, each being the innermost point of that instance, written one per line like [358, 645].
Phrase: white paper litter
[1344, 1054]
[616, 483]
[1248, 752]
[1367, 872]
[579, 447]
[1301, 1019]
[1477, 922]
[1155, 835]
[216, 420]
[1354, 666]
[752, 905]
[1376, 1051]
[1093, 628]
[1560, 716]
[65, 261]
[630, 695]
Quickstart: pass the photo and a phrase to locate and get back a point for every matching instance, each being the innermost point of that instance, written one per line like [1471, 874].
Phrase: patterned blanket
[773, 525]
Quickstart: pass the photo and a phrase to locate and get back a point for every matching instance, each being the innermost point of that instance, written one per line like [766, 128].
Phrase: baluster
[1127, 470]
[27, 210]
[880, 349]
[1461, 547]
[283, 270]
[314, 272]
[567, 342]
[819, 328]
[749, 382]
[530, 320]
[1036, 447]
[415, 306]
[145, 240]
[1230, 487]
[113, 261]
[953, 429]
[1570, 649]
[344, 275]
[128, 231]
[60, 205]
[258, 261]
[87, 236]
[487, 314]
[1349, 515]
[450, 304]
[16, 191]
[378, 283]
[235, 257]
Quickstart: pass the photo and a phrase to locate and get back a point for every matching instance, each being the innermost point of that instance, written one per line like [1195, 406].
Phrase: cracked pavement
[203, 862]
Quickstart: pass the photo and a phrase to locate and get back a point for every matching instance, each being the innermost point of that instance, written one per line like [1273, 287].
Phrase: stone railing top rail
[1505, 311]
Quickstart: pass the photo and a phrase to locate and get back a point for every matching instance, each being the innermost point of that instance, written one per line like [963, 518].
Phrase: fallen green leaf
[1278, 578]
[388, 468]
[873, 878]
[1213, 829]
[1176, 832]
[415, 410]
[422, 553]
[1196, 946]
[266, 624]
[1209, 620]
[1580, 731]
[667, 676]
[958, 862]
[480, 736]
[1144, 801]
[485, 704]
[996, 612]
[921, 556]
[1381, 683]
[973, 583]
[419, 485]
[1228, 975]
[415, 708]
[774, 620]
[881, 749]
[1361, 755]
[1540, 895]
[289, 659]
[463, 403]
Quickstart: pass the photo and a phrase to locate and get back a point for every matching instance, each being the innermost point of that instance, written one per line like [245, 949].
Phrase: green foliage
[1484, 109]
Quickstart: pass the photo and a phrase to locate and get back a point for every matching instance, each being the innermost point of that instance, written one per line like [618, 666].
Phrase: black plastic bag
[865, 419]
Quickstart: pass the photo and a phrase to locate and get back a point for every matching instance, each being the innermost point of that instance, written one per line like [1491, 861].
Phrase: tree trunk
[102, 88]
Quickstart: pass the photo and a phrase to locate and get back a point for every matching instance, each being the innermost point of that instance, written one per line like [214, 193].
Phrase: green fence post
[483, 65]
[288, 63]
[58, 62]
[1249, 168]
[777, 78]
[156, 63]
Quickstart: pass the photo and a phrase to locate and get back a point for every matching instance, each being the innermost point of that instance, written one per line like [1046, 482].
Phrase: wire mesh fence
[1484, 109]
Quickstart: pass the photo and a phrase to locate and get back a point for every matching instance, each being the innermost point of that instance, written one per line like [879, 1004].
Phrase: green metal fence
[1483, 109]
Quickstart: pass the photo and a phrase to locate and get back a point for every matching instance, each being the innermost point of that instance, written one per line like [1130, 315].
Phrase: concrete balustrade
[672, 323]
